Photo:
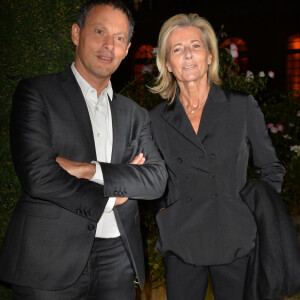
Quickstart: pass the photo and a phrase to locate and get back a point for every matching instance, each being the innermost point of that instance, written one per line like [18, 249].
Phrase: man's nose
[109, 42]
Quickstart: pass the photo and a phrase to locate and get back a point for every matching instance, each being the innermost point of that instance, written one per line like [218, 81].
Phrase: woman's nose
[187, 53]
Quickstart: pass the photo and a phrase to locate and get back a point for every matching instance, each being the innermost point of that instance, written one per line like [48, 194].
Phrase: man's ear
[127, 49]
[75, 34]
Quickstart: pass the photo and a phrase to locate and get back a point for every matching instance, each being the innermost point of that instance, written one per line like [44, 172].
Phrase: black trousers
[185, 281]
[108, 276]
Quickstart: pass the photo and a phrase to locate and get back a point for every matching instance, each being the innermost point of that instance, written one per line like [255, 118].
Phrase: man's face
[102, 43]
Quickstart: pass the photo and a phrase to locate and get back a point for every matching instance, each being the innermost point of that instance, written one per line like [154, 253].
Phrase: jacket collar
[176, 116]
[75, 97]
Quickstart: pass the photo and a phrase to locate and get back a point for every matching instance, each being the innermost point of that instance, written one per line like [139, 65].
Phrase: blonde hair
[166, 84]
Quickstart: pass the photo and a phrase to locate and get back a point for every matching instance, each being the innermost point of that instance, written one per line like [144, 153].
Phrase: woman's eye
[176, 50]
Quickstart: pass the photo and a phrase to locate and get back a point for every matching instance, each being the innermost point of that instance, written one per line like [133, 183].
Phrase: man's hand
[138, 160]
[77, 169]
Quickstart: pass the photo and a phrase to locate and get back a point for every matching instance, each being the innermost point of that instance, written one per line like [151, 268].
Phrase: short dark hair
[117, 4]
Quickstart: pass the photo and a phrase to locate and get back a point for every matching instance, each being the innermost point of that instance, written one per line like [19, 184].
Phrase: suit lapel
[175, 115]
[74, 95]
[213, 109]
[119, 130]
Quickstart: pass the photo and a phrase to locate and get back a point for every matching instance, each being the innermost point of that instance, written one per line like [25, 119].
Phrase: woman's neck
[193, 95]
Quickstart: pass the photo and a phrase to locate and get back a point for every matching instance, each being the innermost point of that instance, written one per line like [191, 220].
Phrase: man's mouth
[108, 59]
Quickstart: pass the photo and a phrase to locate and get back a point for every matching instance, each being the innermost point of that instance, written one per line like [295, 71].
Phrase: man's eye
[120, 38]
[99, 31]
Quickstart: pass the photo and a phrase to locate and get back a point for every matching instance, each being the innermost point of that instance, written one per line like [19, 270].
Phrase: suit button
[212, 176]
[212, 156]
[188, 199]
[179, 160]
[91, 227]
[201, 155]
[187, 179]
[86, 213]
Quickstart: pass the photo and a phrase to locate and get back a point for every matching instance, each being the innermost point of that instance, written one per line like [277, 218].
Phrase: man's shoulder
[128, 103]
[46, 80]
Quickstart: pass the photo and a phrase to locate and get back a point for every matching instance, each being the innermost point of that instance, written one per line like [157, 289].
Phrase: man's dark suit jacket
[274, 267]
[52, 229]
[205, 221]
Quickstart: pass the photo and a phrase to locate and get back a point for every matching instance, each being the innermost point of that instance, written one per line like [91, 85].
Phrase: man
[74, 233]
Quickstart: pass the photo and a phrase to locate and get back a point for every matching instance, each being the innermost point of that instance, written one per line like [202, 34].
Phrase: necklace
[192, 111]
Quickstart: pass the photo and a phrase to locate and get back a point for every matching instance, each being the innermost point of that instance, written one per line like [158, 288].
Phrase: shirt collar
[85, 86]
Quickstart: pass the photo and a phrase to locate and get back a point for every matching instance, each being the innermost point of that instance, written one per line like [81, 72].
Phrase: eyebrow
[103, 27]
[193, 41]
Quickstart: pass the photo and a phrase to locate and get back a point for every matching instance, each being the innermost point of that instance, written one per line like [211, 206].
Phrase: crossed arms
[38, 139]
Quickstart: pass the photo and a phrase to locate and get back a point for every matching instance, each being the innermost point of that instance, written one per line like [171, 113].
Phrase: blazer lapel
[119, 130]
[175, 115]
[213, 109]
[74, 95]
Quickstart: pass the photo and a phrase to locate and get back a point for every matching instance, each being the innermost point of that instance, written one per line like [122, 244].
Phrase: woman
[204, 134]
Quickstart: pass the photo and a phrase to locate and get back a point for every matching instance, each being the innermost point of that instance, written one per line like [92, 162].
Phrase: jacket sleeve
[146, 181]
[263, 152]
[34, 159]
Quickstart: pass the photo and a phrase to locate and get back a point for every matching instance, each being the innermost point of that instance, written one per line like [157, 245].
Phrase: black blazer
[274, 267]
[53, 226]
[206, 222]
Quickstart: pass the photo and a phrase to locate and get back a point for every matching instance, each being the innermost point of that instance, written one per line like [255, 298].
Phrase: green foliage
[35, 39]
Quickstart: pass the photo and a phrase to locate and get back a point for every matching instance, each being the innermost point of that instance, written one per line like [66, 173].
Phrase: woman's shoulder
[235, 94]
[158, 109]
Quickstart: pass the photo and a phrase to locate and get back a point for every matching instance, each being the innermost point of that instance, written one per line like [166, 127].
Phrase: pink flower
[234, 50]
[271, 74]
[273, 130]
[147, 69]
[270, 125]
[154, 50]
[279, 127]
[249, 74]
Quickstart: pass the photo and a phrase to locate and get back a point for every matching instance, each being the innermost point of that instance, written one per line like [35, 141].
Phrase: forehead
[185, 34]
[108, 16]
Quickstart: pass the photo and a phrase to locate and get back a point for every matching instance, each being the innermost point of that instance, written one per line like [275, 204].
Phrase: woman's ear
[209, 58]
[168, 67]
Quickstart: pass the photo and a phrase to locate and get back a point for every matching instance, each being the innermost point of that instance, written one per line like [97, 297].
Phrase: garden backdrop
[35, 40]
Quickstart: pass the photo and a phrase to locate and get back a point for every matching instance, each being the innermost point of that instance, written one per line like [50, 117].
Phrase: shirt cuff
[110, 204]
[98, 177]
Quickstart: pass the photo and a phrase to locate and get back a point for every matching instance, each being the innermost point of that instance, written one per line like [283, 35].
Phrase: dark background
[265, 25]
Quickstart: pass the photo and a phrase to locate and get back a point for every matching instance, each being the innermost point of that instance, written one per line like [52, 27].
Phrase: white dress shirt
[100, 115]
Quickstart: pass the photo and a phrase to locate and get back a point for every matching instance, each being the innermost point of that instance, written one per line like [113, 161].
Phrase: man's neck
[99, 84]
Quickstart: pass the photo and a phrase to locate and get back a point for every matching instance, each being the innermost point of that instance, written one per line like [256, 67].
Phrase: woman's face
[188, 57]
